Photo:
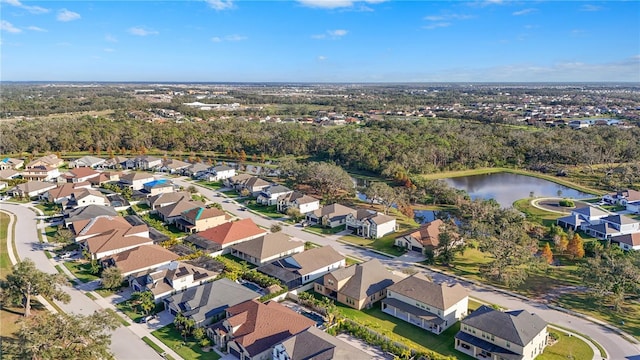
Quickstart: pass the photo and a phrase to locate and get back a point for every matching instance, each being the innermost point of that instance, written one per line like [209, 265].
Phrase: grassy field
[5, 262]
[483, 171]
[534, 214]
[187, 350]
[567, 347]
[404, 332]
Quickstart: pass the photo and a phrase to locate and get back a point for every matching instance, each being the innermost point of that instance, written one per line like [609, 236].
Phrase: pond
[506, 188]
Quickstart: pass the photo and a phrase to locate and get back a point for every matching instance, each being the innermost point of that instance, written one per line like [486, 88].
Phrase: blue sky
[320, 41]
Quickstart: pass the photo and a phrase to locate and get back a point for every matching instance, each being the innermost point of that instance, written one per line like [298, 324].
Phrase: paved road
[617, 347]
[125, 344]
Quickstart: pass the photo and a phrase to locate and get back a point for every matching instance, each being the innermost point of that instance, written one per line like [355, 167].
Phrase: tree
[216, 205]
[331, 181]
[448, 244]
[576, 247]
[26, 282]
[384, 194]
[191, 189]
[111, 277]
[611, 275]
[546, 254]
[276, 228]
[63, 235]
[64, 336]
[295, 214]
[561, 243]
[144, 301]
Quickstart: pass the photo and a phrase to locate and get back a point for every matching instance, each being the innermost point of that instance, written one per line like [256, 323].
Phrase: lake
[506, 188]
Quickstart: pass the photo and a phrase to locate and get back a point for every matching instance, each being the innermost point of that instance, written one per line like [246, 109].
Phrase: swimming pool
[254, 287]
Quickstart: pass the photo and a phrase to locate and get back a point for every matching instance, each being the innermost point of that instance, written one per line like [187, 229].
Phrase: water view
[506, 188]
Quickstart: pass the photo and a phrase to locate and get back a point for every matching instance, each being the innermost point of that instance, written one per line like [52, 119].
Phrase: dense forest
[383, 147]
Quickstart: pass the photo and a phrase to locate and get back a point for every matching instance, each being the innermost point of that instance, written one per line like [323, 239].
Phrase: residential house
[491, 334]
[173, 166]
[330, 215]
[221, 172]
[252, 329]
[165, 199]
[267, 248]
[222, 237]
[297, 200]
[634, 207]
[254, 185]
[627, 241]
[9, 174]
[421, 239]
[172, 213]
[196, 169]
[116, 162]
[431, 306]
[370, 224]
[208, 302]
[170, 278]
[270, 194]
[41, 173]
[62, 193]
[31, 189]
[87, 213]
[139, 259]
[115, 241]
[84, 196]
[104, 177]
[581, 218]
[200, 218]
[11, 164]
[237, 181]
[144, 162]
[357, 286]
[3, 185]
[315, 344]
[622, 197]
[85, 228]
[305, 267]
[87, 161]
[156, 187]
[612, 226]
[79, 175]
[49, 160]
[136, 180]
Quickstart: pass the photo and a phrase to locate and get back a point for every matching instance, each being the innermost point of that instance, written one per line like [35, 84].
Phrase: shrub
[554, 335]
[566, 203]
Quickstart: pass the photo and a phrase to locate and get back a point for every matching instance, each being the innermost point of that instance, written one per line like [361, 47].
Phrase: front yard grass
[215, 185]
[321, 230]
[171, 337]
[49, 209]
[567, 347]
[404, 332]
[130, 309]
[385, 244]
[81, 270]
[269, 211]
[5, 262]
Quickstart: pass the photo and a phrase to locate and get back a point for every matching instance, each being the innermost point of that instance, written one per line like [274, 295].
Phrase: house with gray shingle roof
[270, 194]
[512, 335]
[315, 344]
[297, 200]
[267, 248]
[359, 285]
[207, 303]
[614, 225]
[331, 216]
[421, 302]
[167, 279]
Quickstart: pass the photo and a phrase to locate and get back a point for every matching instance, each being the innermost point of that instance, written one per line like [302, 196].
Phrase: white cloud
[67, 15]
[234, 37]
[220, 4]
[139, 31]
[333, 34]
[334, 4]
[322, 58]
[589, 7]
[437, 25]
[35, 28]
[8, 27]
[447, 17]
[31, 9]
[110, 38]
[524, 12]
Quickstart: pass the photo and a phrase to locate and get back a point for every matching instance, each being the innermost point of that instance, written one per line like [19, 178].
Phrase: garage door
[234, 352]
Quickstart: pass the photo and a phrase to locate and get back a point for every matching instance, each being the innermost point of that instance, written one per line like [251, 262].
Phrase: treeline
[391, 148]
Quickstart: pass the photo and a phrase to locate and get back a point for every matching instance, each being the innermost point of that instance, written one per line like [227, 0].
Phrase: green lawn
[321, 230]
[81, 270]
[189, 350]
[49, 208]
[384, 244]
[404, 332]
[232, 194]
[133, 313]
[140, 207]
[567, 347]
[51, 232]
[215, 185]
[5, 262]
[270, 211]
[534, 214]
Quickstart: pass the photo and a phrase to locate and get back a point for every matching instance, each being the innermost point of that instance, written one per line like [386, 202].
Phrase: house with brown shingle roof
[628, 241]
[11, 164]
[139, 258]
[136, 180]
[31, 189]
[79, 175]
[357, 286]
[252, 329]
[173, 212]
[304, 267]
[41, 173]
[267, 248]
[50, 160]
[87, 196]
[331, 216]
[86, 228]
[166, 199]
[421, 302]
[222, 237]
[63, 192]
[115, 241]
[236, 181]
[425, 237]
[199, 218]
[315, 344]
